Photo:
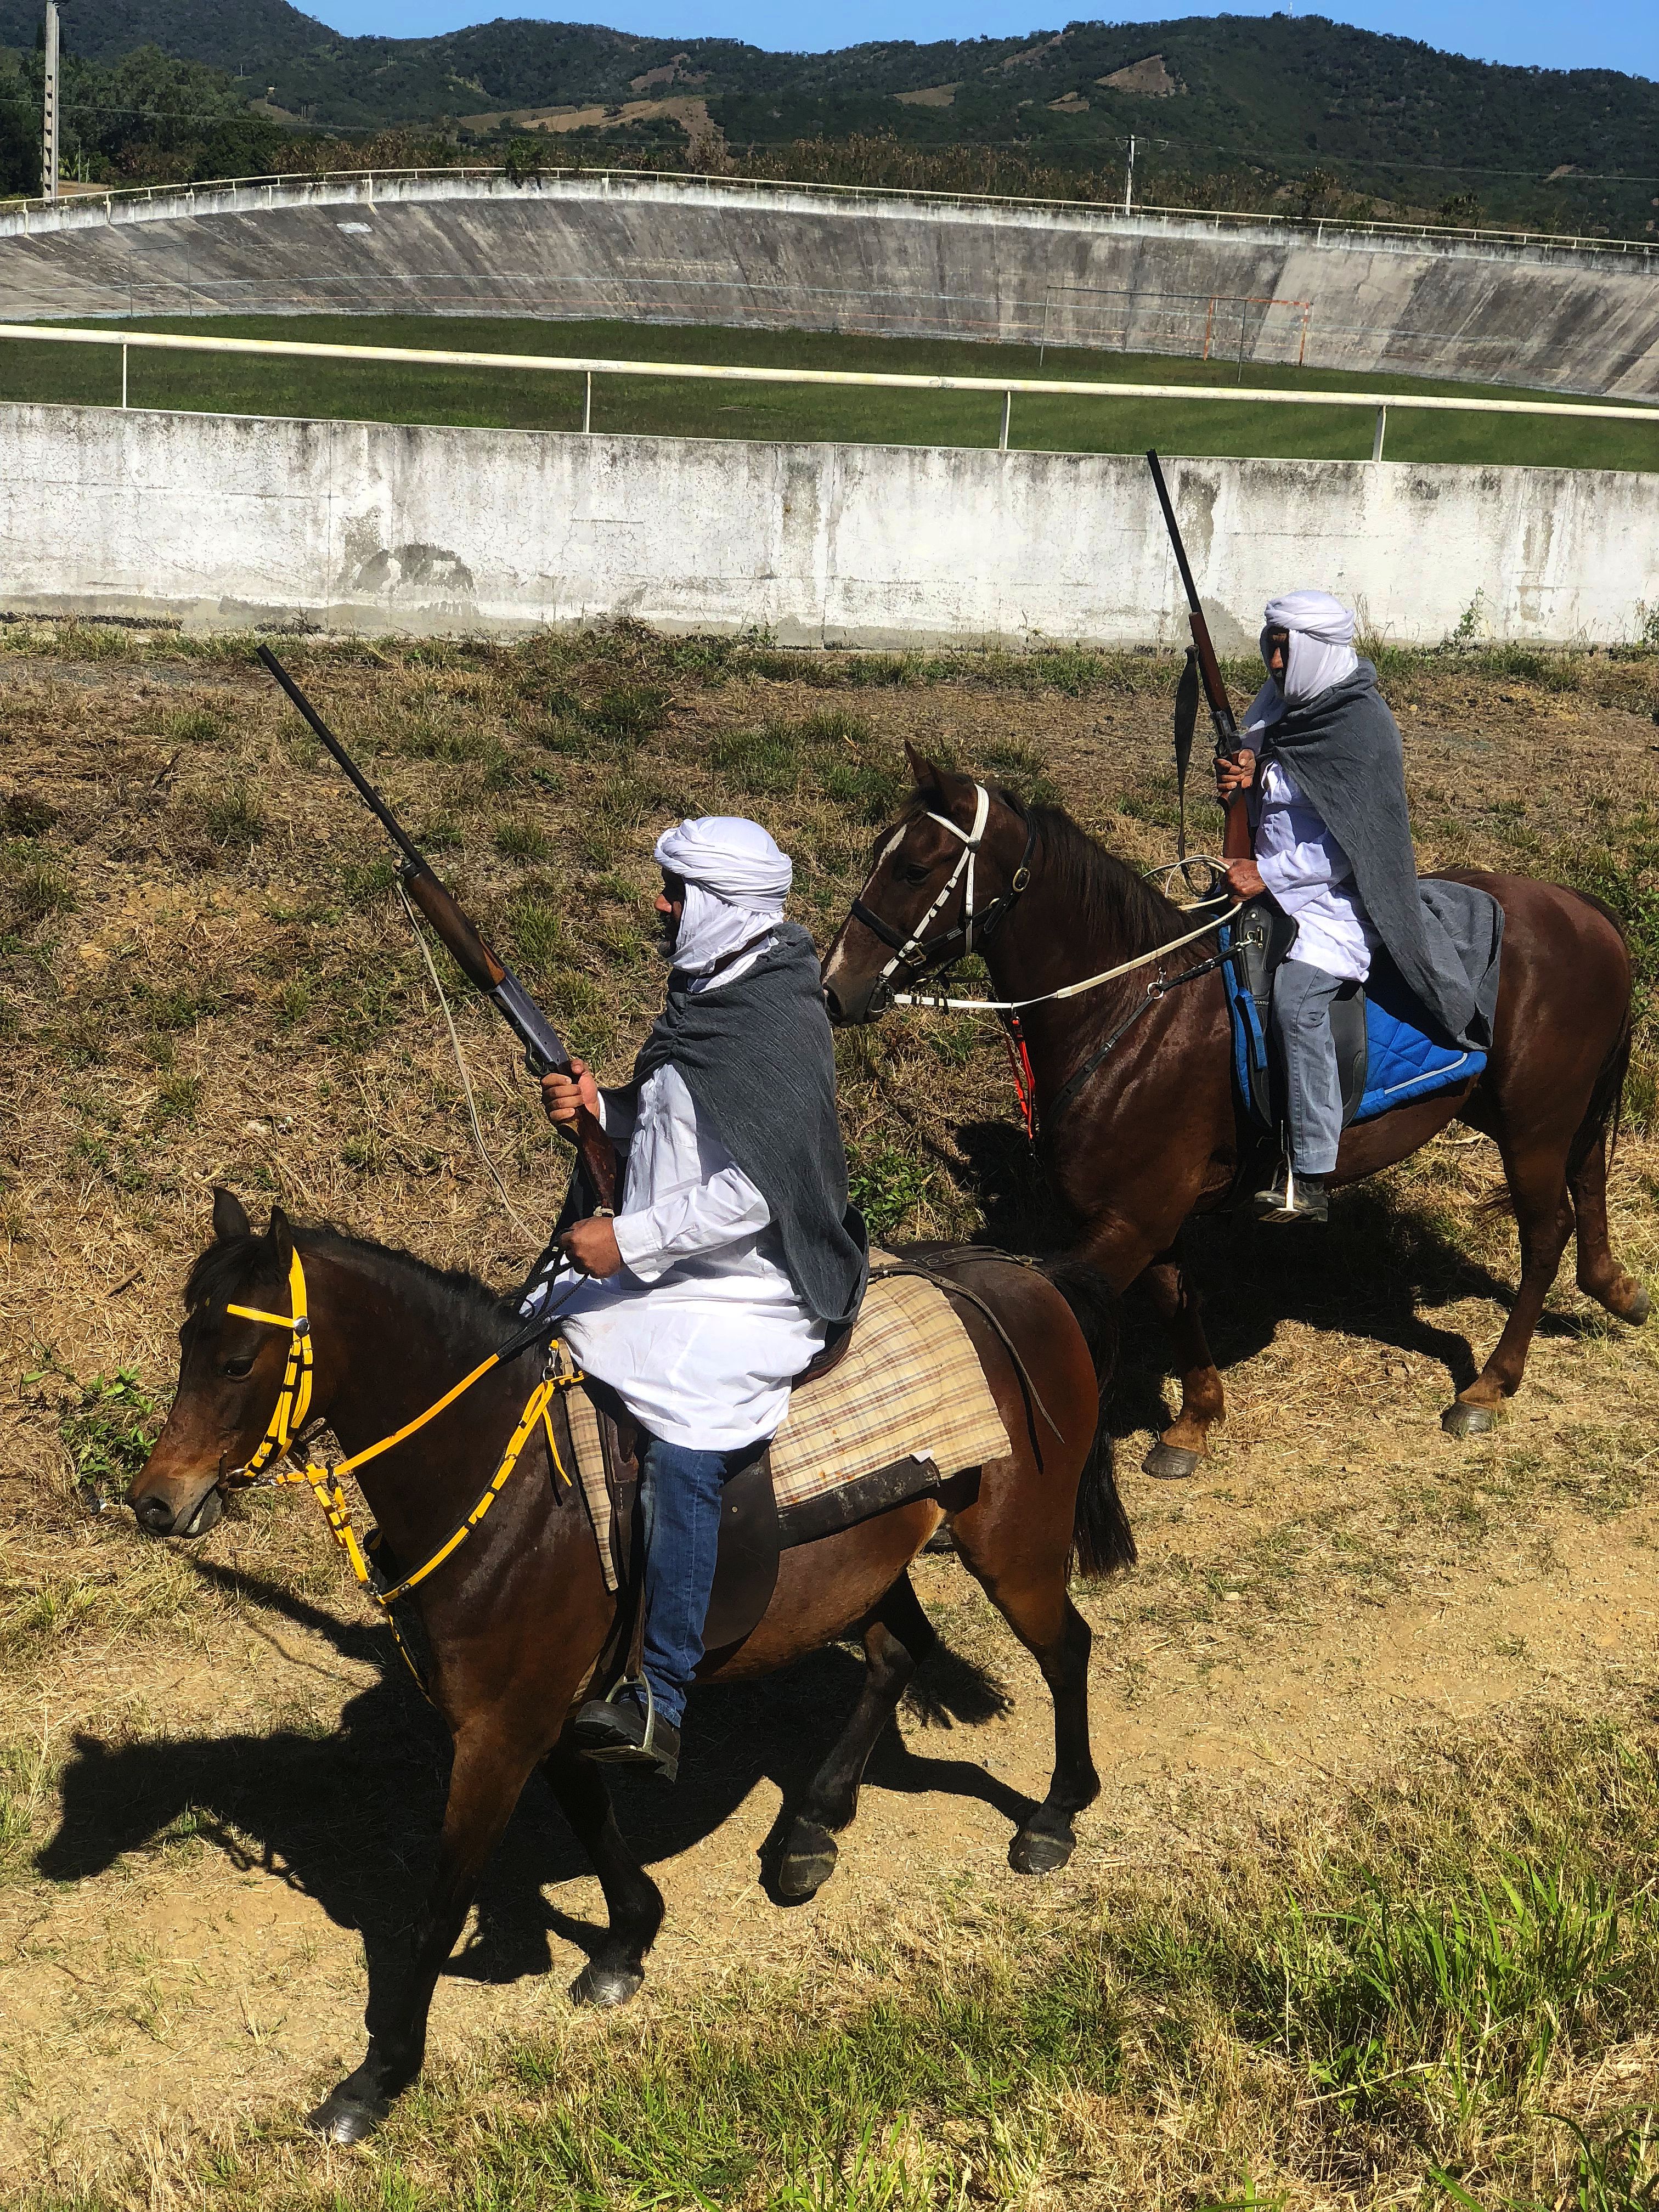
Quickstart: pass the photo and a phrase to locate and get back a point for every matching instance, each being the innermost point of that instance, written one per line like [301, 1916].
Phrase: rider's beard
[668, 934]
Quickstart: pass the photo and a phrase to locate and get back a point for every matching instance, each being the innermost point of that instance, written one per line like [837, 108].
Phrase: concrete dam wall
[687, 250]
[226, 521]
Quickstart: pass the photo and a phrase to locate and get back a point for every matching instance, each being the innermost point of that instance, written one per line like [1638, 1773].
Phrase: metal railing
[300, 183]
[590, 366]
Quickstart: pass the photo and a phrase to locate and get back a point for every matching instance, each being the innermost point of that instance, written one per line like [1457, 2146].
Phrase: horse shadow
[350, 1819]
[1378, 1271]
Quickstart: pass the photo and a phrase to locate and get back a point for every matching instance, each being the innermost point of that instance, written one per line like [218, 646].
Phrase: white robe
[1312, 878]
[702, 1331]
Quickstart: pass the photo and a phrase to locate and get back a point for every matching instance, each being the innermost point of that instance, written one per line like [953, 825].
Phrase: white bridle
[914, 952]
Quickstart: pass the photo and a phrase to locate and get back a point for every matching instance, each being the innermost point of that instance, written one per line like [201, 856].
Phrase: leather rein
[922, 955]
[293, 1409]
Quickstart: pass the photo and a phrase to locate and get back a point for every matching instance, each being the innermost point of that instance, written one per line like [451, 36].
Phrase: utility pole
[1129, 174]
[49, 117]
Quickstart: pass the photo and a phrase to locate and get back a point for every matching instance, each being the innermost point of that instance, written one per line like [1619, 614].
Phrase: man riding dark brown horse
[1333, 848]
[734, 1251]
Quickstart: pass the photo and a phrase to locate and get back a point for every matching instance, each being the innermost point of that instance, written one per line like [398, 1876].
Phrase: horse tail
[1102, 1537]
[1604, 1115]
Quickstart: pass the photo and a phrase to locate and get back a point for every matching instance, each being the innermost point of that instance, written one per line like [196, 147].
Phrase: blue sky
[1622, 34]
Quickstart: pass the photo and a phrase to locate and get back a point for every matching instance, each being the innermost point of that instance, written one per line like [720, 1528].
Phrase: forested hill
[1313, 107]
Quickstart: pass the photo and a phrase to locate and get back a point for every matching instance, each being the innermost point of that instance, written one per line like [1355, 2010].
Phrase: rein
[917, 953]
[293, 1405]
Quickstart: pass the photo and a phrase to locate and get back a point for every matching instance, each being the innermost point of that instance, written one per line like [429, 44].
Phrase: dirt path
[219, 1970]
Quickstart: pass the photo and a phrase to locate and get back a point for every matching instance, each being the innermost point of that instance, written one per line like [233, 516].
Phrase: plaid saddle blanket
[906, 1406]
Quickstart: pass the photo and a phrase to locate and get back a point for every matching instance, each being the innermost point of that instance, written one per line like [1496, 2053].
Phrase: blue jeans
[680, 1498]
[1313, 1088]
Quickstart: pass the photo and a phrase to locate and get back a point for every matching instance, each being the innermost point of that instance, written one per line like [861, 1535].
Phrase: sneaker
[1299, 1197]
[616, 1730]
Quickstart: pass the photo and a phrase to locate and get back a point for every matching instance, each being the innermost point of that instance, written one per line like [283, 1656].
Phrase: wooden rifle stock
[1236, 844]
[545, 1050]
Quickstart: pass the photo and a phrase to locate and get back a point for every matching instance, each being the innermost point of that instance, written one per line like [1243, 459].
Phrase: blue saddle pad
[1403, 1062]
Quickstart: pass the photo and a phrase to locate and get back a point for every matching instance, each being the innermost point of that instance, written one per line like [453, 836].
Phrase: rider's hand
[1234, 772]
[562, 1093]
[591, 1246]
[1244, 879]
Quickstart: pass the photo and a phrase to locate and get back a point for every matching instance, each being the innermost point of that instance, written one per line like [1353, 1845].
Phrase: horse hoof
[1032, 1851]
[342, 2119]
[607, 1985]
[1462, 1419]
[808, 1861]
[1638, 1309]
[1169, 1462]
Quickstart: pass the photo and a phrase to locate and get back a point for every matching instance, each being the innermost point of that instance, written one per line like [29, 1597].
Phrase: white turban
[1322, 631]
[735, 881]
[1322, 642]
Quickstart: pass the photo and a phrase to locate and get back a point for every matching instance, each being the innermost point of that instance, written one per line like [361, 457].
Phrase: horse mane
[1113, 902]
[448, 1296]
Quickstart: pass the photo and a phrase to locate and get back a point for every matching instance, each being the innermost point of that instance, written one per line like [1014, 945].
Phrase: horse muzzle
[164, 1507]
[853, 1002]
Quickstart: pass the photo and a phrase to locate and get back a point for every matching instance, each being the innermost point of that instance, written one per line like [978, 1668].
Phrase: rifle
[1202, 667]
[544, 1049]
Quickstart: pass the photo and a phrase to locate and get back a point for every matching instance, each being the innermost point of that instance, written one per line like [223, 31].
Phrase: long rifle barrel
[545, 1049]
[1235, 841]
[366, 791]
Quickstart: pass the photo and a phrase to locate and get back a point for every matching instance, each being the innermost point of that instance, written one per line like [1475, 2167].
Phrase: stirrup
[629, 1682]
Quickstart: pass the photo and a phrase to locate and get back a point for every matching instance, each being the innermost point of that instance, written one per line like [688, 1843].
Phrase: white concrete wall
[691, 250]
[226, 520]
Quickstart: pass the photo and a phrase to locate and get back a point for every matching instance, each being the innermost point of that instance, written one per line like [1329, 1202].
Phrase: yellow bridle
[288, 1417]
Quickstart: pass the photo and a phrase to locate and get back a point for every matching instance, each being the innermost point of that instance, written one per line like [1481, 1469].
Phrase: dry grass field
[1366, 1914]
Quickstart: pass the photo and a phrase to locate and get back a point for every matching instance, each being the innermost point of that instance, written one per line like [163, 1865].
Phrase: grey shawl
[758, 1059]
[1344, 749]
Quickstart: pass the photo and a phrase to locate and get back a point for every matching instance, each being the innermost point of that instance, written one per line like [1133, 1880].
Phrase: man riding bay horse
[734, 1251]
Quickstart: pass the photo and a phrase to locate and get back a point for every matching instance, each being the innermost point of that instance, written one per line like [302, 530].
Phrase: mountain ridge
[1302, 99]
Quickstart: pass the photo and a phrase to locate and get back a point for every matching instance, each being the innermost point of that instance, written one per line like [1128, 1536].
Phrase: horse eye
[914, 873]
[236, 1368]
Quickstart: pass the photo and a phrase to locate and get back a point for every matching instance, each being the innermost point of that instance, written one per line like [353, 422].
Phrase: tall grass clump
[229, 816]
[766, 760]
[33, 892]
[628, 712]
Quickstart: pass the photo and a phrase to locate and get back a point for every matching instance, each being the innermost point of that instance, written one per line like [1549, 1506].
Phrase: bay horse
[517, 1617]
[1141, 1139]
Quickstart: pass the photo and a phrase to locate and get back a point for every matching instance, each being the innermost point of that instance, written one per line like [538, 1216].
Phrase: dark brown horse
[517, 1617]
[1152, 1135]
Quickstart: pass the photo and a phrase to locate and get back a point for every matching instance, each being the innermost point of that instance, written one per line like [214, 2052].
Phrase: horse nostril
[831, 1004]
[153, 1515]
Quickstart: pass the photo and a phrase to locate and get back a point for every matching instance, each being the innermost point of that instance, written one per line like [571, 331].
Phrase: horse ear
[926, 775]
[282, 1235]
[229, 1215]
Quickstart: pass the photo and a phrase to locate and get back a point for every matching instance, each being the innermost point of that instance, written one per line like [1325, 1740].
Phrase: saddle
[1387, 1055]
[752, 1533]
[1261, 936]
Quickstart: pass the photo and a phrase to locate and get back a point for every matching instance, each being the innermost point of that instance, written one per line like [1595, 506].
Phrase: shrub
[109, 1434]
